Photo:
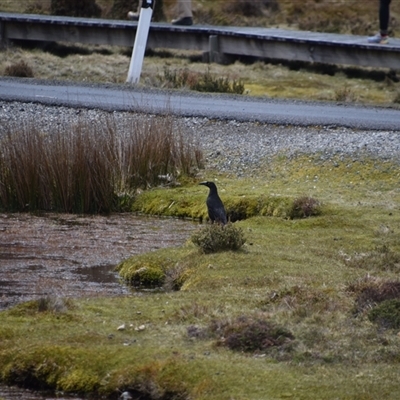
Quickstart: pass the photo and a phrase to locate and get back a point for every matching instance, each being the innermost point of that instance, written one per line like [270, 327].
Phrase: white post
[139, 47]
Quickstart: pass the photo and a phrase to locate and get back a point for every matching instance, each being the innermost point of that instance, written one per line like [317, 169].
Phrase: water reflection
[69, 255]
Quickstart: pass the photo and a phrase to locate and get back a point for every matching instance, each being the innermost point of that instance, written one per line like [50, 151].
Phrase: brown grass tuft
[372, 291]
[304, 207]
[89, 168]
[20, 69]
[250, 334]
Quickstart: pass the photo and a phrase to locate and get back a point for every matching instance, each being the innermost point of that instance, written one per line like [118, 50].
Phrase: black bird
[216, 210]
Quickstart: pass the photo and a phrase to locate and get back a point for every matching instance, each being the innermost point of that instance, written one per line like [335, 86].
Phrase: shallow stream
[74, 256]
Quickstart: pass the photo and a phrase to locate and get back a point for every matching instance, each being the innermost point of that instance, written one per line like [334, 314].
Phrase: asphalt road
[241, 108]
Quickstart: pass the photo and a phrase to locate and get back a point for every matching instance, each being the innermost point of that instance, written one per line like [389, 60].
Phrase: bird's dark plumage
[216, 210]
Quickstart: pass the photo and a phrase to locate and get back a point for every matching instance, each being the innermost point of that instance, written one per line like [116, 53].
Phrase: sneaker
[379, 39]
[133, 16]
[184, 21]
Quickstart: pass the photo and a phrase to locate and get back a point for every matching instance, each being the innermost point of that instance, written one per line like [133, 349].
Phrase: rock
[121, 327]
[140, 328]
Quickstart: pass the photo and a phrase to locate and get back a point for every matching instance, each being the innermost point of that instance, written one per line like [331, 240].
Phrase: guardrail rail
[220, 43]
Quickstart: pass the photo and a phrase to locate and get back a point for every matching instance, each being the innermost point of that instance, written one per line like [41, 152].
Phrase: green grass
[293, 274]
[317, 278]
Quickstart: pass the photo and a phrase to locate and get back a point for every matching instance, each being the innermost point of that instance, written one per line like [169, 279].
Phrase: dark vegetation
[304, 207]
[371, 292]
[20, 69]
[245, 334]
[76, 8]
[386, 314]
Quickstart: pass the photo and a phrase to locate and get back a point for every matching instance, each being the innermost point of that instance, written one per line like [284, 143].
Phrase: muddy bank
[74, 256]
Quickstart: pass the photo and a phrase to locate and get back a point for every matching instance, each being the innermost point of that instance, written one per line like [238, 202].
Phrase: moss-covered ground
[317, 279]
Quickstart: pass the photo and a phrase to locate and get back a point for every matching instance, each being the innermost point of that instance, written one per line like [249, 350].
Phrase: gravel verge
[229, 146]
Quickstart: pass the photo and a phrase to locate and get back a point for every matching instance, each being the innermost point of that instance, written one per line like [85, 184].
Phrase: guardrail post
[3, 35]
[214, 52]
[213, 48]
[139, 47]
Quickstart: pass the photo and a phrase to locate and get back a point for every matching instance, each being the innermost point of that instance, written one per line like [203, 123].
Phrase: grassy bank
[301, 311]
[182, 69]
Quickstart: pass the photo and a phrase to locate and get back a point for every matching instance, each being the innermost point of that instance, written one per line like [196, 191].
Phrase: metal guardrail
[221, 43]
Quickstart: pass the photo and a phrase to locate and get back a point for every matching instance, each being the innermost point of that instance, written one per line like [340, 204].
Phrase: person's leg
[184, 12]
[384, 14]
[184, 8]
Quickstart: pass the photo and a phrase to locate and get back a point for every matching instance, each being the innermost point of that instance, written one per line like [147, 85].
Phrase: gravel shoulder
[229, 146]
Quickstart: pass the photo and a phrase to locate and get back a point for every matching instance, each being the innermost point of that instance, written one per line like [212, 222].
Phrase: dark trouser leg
[384, 16]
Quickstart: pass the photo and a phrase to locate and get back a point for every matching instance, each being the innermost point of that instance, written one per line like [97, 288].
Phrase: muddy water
[74, 256]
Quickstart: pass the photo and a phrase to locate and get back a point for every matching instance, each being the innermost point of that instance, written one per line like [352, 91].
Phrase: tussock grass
[201, 82]
[90, 168]
[20, 69]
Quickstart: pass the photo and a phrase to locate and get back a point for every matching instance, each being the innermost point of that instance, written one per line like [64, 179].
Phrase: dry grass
[90, 168]
[101, 64]
[21, 70]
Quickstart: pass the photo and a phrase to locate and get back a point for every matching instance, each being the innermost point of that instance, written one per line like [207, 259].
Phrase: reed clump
[201, 82]
[20, 69]
[90, 167]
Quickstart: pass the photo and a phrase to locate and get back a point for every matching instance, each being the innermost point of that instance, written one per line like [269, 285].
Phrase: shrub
[386, 314]
[304, 207]
[215, 237]
[20, 69]
[75, 8]
[53, 304]
[250, 334]
[372, 291]
[250, 8]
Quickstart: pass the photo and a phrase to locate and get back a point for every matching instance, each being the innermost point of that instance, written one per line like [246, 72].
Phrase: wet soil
[74, 256]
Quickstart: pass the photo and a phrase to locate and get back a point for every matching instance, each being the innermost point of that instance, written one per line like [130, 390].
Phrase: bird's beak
[203, 183]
